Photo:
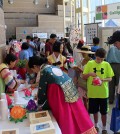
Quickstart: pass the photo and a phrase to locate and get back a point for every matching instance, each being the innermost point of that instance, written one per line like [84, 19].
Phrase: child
[98, 95]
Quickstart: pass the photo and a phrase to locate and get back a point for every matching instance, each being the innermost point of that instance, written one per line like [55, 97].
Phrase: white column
[71, 12]
[82, 25]
[64, 18]
[88, 14]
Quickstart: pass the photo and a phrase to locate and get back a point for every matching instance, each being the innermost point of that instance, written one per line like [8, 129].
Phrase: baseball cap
[115, 37]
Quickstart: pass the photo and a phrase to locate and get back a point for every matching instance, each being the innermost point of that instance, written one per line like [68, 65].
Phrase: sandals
[97, 129]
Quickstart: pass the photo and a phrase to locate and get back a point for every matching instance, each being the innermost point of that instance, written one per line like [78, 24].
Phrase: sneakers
[97, 129]
[111, 101]
[104, 132]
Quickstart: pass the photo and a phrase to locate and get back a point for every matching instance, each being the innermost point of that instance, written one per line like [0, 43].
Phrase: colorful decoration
[17, 114]
[71, 62]
[9, 101]
[28, 93]
[97, 81]
[31, 107]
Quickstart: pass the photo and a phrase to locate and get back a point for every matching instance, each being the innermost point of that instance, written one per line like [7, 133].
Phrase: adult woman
[57, 91]
[6, 78]
[78, 56]
[24, 54]
[57, 58]
[82, 84]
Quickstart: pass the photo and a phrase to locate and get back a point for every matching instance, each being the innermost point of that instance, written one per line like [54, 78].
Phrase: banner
[75, 35]
[111, 11]
[91, 31]
[40, 35]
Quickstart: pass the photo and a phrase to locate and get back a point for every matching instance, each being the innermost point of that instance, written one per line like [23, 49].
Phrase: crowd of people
[64, 77]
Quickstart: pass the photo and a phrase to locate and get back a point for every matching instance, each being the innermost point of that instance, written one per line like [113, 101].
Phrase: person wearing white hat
[113, 57]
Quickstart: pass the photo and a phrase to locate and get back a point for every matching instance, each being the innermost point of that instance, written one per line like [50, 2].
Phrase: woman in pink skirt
[58, 93]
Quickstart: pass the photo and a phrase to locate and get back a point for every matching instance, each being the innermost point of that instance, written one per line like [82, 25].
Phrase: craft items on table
[39, 117]
[3, 96]
[9, 101]
[28, 93]
[19, 100]
[71, 62]
[42, 128]
[23, 87]
[17, 114]
[3, 109]
[10, 131]
[96, 81]
[16, 96]
[31, 107]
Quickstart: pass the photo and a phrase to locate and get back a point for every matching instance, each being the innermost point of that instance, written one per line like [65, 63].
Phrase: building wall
[46, 24]
[2, 35]
[23, 13]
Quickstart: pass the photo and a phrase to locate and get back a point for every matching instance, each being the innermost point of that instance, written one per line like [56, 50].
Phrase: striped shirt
[6, 78]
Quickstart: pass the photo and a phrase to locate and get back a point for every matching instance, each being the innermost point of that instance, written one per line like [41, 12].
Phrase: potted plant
[22, 68]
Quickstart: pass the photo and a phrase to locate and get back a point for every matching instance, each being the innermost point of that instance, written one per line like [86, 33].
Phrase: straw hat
[86, 49]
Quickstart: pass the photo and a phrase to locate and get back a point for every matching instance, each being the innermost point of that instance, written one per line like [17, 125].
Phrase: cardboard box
[39, 117]
[9, 131]
[42, 128]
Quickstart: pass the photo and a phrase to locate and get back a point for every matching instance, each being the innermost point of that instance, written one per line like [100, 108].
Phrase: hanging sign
[111, 11]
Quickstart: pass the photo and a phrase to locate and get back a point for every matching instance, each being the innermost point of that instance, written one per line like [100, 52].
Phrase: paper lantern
[17, 114]
[97, 81]
[28, 93]
[31, 107]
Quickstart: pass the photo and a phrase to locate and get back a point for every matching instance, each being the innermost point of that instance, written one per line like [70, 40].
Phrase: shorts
[98, 104]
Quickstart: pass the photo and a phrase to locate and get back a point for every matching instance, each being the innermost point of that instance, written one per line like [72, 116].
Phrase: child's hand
[93, 74]
[97, 81]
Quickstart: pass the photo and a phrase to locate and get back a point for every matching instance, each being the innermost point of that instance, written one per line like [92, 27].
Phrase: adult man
[49, 44]
[31, 46]
[35, 41]
[113, 58]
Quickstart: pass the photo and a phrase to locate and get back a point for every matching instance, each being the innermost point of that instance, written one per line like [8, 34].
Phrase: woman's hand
[22, 81]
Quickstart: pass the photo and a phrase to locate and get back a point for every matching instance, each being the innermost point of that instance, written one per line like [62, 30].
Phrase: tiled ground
[108, 121]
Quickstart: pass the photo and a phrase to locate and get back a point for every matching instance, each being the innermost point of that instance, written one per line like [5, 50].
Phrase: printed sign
[40, 35]
[42, 126]
[111, 11]
[91, 31]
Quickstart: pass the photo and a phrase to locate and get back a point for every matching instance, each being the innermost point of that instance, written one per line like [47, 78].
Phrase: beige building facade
[23, 17]
[24, 13]
[2, 35]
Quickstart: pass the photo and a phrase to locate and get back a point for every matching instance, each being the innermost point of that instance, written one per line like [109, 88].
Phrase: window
[111, 1]
[85, 3]
[94, 3]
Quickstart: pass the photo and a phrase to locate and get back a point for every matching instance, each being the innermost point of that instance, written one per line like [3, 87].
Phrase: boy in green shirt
[98, 95]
